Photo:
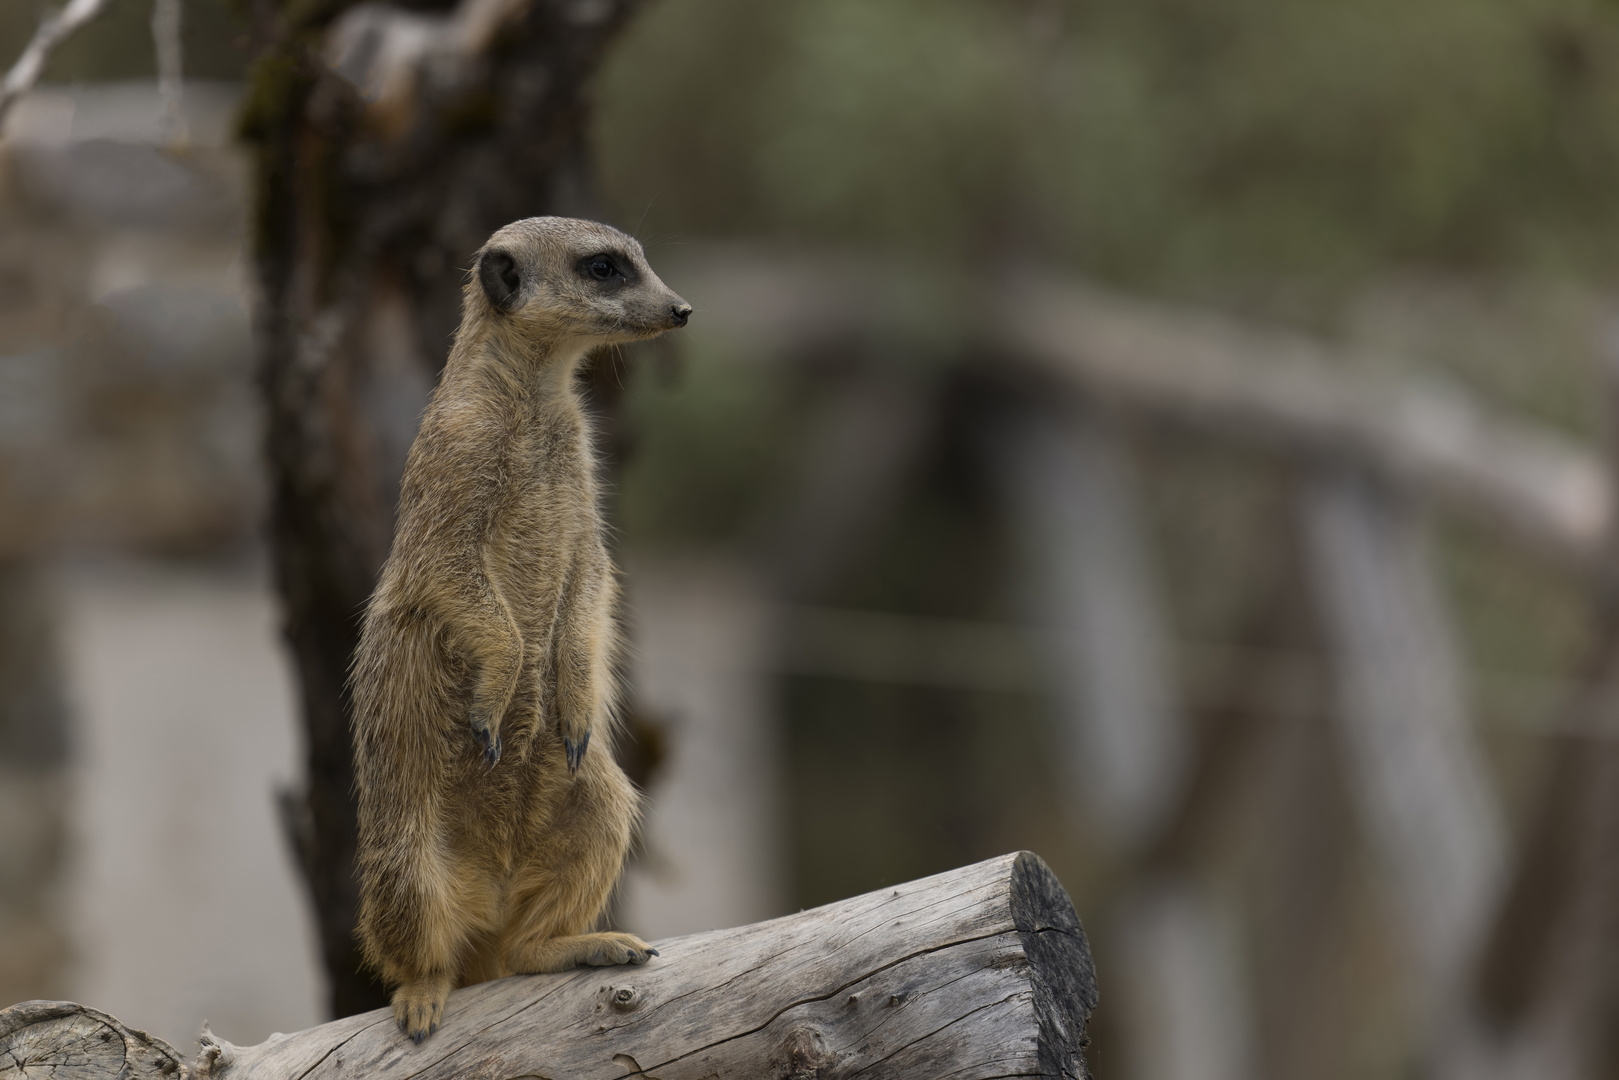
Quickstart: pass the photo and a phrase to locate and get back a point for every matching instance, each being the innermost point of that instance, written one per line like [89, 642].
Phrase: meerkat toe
[419, 1006]
[614, 948]
[489, 740]
[575, 751]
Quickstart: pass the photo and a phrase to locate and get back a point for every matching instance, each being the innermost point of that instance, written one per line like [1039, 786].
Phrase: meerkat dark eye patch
[497, 272]
[603, 267]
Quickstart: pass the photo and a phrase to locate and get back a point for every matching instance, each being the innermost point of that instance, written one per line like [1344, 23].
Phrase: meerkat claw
[489, 741]
[575, 751]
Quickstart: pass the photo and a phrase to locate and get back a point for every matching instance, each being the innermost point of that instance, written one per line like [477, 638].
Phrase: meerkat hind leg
[605, 949]
[419, 1004]
[575, 859]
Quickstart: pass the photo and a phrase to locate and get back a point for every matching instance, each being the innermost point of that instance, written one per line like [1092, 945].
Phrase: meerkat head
[565, 278]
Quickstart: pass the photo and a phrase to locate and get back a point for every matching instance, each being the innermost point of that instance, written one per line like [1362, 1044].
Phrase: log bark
[980, 972]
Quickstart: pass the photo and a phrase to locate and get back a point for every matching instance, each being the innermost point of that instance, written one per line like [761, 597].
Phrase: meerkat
[494, 821]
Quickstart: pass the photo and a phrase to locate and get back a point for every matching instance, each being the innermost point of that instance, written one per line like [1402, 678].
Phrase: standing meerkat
[493, 819]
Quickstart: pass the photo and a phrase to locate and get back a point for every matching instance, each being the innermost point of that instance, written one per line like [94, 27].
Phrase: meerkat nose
[680, 312]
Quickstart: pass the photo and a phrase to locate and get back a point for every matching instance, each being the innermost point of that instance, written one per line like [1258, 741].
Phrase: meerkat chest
[549, 510]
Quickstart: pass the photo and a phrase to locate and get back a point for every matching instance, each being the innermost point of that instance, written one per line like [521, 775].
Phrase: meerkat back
[493, 819]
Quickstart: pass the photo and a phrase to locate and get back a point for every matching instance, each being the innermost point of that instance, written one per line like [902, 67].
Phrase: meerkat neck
[544, 368]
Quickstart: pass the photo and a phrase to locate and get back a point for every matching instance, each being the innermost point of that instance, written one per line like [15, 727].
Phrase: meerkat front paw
[419, 1005]
[549, 955]
[488, 738]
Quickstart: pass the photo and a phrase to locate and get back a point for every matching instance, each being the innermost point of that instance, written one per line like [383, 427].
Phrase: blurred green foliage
[1173, 144]
[1433, 181]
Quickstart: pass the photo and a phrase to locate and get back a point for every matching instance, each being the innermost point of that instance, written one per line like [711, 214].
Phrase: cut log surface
[976, 973]
[58, 1040]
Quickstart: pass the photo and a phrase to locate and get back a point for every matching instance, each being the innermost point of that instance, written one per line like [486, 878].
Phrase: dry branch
[980, 972]
[51, 33]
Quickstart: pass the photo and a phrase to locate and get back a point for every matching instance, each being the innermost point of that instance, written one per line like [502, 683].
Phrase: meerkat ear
[497, 272]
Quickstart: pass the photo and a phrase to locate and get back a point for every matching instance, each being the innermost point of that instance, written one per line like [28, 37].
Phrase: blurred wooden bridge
[1505, 937]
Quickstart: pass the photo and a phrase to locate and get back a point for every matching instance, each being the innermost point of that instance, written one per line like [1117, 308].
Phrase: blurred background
[1172, 437]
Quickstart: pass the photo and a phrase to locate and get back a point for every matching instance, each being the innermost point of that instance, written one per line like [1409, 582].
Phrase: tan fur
[485, 666]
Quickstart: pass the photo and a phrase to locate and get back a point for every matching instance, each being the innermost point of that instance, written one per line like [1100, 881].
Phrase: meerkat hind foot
[582, 950]
[419, 1005]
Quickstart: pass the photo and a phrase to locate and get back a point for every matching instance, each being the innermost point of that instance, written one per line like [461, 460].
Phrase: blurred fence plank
[1546, 985]
[1188, 1012]
[1091, 591]
[1415, 769]
[1123, 762]
[712, 839]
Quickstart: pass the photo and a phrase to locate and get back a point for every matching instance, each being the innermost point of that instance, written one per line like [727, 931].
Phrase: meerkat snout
[681, 312]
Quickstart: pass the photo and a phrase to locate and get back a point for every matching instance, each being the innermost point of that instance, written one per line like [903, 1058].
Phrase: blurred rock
[129, 416]
[34, 794]
[128, 420]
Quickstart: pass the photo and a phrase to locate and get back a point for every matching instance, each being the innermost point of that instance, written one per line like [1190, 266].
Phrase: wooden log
[980, 972]
[64, 1041]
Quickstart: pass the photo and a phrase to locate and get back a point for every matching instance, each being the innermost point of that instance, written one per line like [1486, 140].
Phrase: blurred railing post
[1123, 759]
[1091, 591]
[1547, 987]
[712, 839]
[1415, 770]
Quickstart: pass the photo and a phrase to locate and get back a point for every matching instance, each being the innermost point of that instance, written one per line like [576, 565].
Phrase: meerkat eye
[601, 267]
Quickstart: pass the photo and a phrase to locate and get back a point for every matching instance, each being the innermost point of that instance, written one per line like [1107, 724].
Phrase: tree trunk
[976, 973]
[380, 171]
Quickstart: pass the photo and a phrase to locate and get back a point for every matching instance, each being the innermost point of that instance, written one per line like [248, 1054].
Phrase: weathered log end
[64, 1041]
[973, 974]
[1062, 974]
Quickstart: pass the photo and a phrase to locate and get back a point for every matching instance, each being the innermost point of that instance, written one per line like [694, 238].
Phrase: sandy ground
[184, 904]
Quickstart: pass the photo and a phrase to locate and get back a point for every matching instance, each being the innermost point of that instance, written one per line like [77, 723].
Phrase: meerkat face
[550, 277]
